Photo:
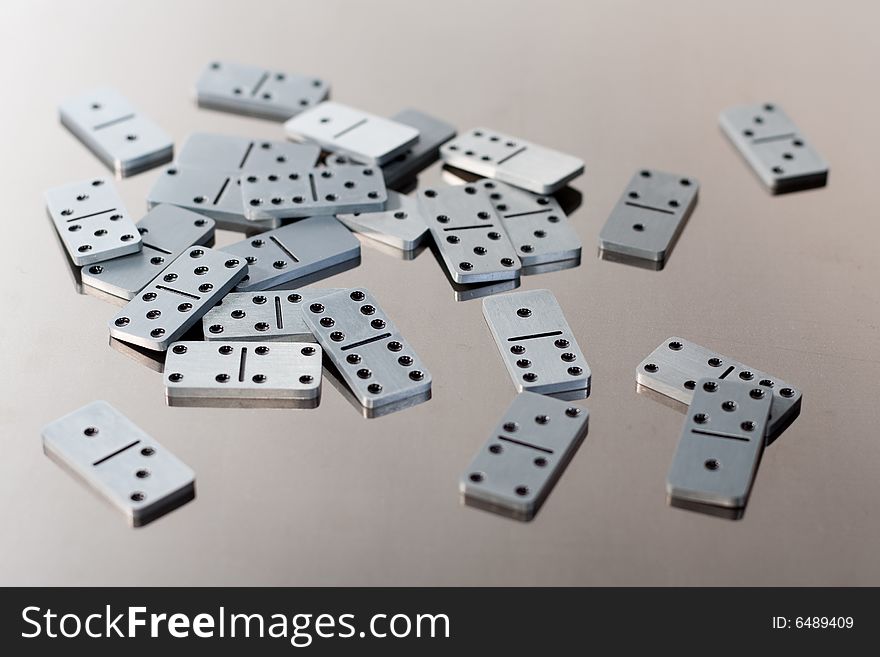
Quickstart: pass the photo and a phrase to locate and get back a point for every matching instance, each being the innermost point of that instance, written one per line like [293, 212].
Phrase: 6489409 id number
[814, 623]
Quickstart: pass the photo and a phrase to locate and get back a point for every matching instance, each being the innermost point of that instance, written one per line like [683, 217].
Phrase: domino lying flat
[126, 141]
[649, 217]
[255, 91]
[279, 375]
[213, 152]
[166, 232]
[512, 160]
[536, 343]
[291, 193]
[468, 234]
[376, 363]
[774, 147]
[208, 167]
[721, 443]
[305, 249]
[362, 136]
[92, 222]
[216, 194]
[674, 368]
[107, 451]
[402, 170]
[399, 225]
[525, 455]
[177, 298]
[262, 316]
[535, 223]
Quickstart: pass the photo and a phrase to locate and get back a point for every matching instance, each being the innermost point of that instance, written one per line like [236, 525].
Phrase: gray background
[787, 284]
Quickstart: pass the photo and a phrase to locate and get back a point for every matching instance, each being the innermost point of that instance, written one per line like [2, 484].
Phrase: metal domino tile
[433, 133]
[469, 234]
[536, 343]
[177, 298]
[166, 231]
[527, 451]
[721, 443]
[286, 193]
[774, 147]
[125, 140]
[399, 225]
[650, 215]
[107, 451]
[259, 92]
[374, 360]
[535, 223]
[274, 372]
[291, 253]
[363, 136]
[675, 366]
[215, 194]
[512, 160]
[262, 316]
[92, 221]
[215, 152]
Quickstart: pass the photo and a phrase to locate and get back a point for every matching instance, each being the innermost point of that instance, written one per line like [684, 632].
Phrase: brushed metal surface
[304, 249]
[342, 129]
[286, 374]
[372, 357]
[535, 223]
[536, 343]
[230, 153]
[400, 224]
[774, 147]
[468, 234]
[92, 221]
[216, 194]
[120, 461]
[262, 316]
[258, 92]
[527, 452]
[786, 283]
[512, 160]
[649, 217]
[125, 140]
[283, 193]
[177, 298]
[166, 231]
[721, 443]
[675, 366]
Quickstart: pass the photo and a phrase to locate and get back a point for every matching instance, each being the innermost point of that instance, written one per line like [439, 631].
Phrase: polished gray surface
[322, 496]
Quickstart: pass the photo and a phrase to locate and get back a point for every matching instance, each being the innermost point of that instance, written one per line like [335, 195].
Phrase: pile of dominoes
[235, 326]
